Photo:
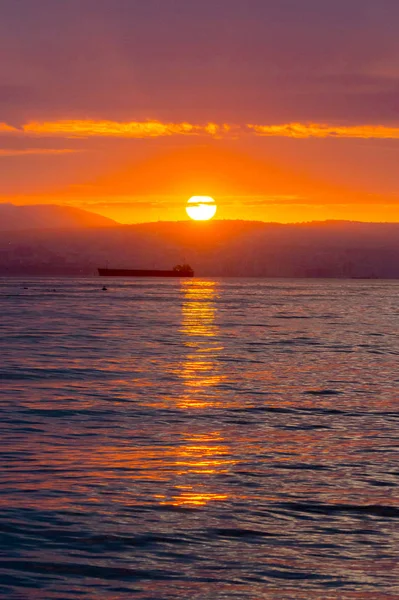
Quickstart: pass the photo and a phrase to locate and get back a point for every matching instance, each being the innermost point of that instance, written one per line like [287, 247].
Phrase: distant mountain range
[48, 216]
[213, 249]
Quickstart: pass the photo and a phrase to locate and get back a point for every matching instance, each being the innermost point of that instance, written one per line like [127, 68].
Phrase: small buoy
[104, 288]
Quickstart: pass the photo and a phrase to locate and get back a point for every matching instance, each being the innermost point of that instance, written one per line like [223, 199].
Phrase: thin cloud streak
[4, 128]
[132, 129]
[317, 130]
[85, 128]
[36, 151]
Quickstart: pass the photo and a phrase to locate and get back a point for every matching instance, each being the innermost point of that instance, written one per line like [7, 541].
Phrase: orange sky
[281, 113]
[136, 172]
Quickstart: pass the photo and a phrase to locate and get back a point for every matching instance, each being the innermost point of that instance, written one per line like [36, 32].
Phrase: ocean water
[199, 439]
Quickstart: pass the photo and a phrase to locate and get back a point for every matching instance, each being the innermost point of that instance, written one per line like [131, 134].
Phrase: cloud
[37, 151]
[4, 128]
[318, 130]
[132, 129]
[170, 201]
[85, 128]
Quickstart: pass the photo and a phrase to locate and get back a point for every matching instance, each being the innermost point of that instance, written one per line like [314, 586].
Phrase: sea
[199, 439]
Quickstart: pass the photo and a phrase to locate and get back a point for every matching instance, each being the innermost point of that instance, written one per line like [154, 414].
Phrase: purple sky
[217, 60]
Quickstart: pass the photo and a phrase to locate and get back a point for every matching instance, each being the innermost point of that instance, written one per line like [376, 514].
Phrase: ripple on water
[199, 439]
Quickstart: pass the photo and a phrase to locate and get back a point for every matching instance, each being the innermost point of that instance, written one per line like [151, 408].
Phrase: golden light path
[202, 456]
[201, 208]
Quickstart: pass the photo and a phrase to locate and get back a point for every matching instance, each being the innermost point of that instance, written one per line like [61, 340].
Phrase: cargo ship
[177, 271]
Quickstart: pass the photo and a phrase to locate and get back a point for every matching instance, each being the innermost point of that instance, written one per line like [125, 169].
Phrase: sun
[201, 208]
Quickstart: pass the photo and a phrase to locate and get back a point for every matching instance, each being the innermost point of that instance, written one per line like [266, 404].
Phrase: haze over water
[199, 439]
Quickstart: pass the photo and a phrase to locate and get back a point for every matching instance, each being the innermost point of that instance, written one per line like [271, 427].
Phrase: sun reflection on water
[200, 370]
[202, 456]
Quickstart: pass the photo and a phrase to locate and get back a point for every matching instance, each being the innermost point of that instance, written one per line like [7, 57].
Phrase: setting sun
[201, 208]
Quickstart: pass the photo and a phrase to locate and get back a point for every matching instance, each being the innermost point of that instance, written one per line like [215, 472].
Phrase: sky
[281, 110]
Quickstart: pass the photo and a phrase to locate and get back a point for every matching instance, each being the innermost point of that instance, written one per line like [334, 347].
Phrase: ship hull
[142, 273]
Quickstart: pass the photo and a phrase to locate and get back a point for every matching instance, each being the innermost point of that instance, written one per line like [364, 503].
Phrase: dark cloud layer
[223, 60]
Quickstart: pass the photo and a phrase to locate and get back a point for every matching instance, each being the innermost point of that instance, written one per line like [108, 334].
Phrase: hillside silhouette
[213, 249]
[48, 216]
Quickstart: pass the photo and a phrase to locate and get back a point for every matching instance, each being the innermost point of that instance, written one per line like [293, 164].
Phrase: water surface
[199, 439]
